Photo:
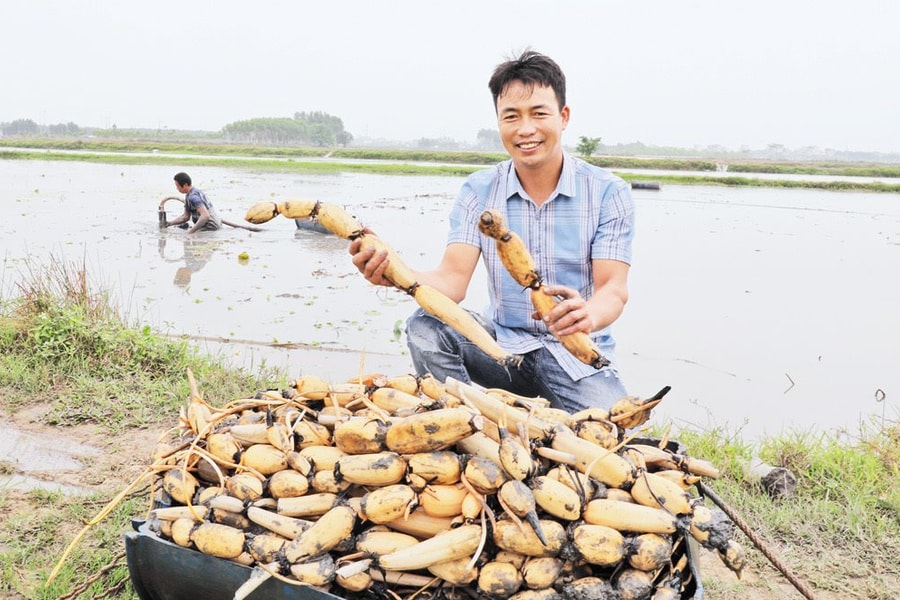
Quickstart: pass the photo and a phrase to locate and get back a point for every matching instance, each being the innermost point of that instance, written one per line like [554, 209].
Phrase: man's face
[531, 124]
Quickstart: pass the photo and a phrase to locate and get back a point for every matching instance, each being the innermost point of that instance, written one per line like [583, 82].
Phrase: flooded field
[764, 309]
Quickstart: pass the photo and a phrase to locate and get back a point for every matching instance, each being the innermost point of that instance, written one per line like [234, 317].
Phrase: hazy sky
[662, 72]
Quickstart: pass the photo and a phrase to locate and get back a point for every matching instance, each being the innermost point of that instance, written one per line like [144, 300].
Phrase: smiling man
[576, 220]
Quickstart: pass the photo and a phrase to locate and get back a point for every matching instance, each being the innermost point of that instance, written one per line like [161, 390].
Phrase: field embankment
[679, 171]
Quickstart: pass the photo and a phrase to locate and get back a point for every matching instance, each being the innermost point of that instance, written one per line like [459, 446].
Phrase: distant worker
[197, 207]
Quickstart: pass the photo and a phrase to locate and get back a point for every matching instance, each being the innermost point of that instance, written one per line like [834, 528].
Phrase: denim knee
[423, 332]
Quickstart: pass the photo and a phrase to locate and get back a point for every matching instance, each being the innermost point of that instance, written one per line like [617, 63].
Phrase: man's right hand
[370, 263]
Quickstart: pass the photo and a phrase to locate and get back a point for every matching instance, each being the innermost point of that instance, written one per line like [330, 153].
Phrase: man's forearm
[605, 307]
[450, 286]
[199, 224]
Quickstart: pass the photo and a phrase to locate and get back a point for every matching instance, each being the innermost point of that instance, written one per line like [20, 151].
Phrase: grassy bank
[72, 369]
[269, 165]
[79, 371]
[422, 162]
[838, 532]
[64, 333]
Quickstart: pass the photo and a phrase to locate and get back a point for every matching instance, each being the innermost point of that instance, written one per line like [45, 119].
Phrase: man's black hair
[533, 69]
[182, 179]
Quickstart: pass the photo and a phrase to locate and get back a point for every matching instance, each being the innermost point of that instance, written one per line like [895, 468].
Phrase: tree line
[29, 127]
[305, 128]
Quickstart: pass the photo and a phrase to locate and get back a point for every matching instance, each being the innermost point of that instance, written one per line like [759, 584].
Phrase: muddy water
[763, 309]
[45, 457]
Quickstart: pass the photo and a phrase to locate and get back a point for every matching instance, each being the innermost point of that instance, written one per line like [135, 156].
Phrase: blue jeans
[438, 349]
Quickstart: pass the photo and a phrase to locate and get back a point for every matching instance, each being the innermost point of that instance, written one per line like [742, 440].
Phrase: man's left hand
[570, 315]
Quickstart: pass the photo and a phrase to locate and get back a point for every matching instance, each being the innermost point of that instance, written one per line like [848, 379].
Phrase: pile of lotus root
[406, 487]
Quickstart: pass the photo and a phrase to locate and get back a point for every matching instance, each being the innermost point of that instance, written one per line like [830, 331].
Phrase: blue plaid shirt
[589, 216]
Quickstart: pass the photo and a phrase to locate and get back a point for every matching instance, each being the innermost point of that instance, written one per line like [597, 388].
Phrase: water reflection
[196, 252]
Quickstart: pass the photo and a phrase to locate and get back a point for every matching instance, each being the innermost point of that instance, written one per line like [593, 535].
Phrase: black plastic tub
[161, 570]
[645, 185]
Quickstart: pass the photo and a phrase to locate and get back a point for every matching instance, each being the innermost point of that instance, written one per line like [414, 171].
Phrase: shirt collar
[564, 187]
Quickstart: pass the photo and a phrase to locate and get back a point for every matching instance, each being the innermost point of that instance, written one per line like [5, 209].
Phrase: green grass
[62, 332]
[737, 181]
[661, 164]
[819, 168]
[63, 345]
[271, 165]
[35, 537]
[245, 150]
[840, 531]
